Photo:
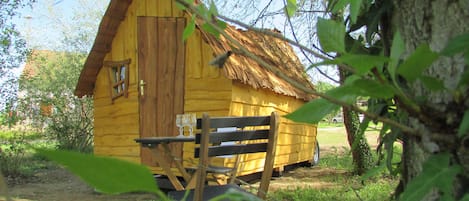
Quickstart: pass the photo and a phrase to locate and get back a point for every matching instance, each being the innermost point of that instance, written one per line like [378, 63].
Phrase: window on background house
[118, 77]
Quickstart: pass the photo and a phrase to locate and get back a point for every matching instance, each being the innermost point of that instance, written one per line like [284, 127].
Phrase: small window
[118, 77]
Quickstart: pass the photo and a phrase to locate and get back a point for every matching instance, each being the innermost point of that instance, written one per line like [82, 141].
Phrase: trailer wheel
[316, 155]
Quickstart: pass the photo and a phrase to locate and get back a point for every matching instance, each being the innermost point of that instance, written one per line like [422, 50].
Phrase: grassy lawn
[17, 154]
[351, 189]
[334, 135]
[342, 184]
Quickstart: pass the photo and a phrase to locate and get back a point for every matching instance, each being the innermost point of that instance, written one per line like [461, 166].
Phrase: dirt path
[57, 184]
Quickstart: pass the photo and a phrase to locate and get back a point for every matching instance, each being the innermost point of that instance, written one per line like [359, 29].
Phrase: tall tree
[361, 150]
[12, 50]
[49, 100]
[439, 114]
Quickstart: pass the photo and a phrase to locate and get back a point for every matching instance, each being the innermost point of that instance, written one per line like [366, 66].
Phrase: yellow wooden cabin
[141, 74]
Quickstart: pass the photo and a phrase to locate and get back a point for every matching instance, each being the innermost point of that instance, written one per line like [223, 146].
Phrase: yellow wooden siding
[117, 124]
[296, 141]
[162, 8]
[206, 89]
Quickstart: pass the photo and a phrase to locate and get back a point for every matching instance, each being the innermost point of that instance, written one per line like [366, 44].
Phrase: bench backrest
[263, 129]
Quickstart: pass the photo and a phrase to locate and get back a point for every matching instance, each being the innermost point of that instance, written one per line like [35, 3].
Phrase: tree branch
[304, 53]
[240, 49]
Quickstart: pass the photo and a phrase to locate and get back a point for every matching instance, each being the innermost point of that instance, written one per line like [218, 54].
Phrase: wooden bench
[254, 134]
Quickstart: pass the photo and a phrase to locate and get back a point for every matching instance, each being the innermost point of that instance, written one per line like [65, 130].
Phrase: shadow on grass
[332, 179]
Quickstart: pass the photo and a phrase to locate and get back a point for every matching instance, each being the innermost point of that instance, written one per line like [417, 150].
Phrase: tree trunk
[361, 151]
[434, 22]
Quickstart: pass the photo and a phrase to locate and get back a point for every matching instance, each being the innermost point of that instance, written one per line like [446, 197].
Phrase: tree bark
[361, 151]
[434, 22]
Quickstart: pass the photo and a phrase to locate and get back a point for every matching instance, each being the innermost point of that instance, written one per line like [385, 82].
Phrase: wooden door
[161, 78]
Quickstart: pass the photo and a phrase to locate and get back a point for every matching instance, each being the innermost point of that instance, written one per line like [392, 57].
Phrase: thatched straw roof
[238, 67]
[272, 50]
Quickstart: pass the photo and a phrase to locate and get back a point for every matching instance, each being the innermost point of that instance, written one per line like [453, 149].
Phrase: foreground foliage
[13, 51]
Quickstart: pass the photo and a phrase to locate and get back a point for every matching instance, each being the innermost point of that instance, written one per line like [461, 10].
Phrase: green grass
[379, 186]
[325, 124]
[379, 190]
[17, 152]
[337, 136]
[337, 161]
[346, 185]
[12, 134]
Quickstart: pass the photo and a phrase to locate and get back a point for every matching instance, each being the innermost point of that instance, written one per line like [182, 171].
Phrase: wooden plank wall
[117, 124]
[207, 90]
[296, 141]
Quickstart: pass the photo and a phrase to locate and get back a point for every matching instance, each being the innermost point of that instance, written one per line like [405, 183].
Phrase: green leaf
[331, 35]
[236, 195]
[213, 9]
[371, 88]
[466, 57]
[351, 78]
[373, 18]
[181, 6]
[108, 175]
[388, 141]
[464, 126]
[355, 9]
[204, 11]
[464, 80]
[375, 171]
[362, 63]
[323, 63]
[339, 5]
[466, 197]
[397, 49]
[315, 110]
[417, 62]
[291, 7]
[432, 83]
[222, 24]
[189, 29]
[211, 29]
[456, 45]
[436, 173]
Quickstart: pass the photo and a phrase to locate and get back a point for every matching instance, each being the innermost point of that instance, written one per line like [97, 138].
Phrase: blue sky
[41, 25]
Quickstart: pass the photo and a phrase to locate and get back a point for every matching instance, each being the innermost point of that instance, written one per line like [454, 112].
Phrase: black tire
[316, 155]
[334, 121]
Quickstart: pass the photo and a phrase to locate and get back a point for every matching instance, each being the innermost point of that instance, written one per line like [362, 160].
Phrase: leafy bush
[50, 105]
[12, 155]
[72, 127]
[8, 119]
